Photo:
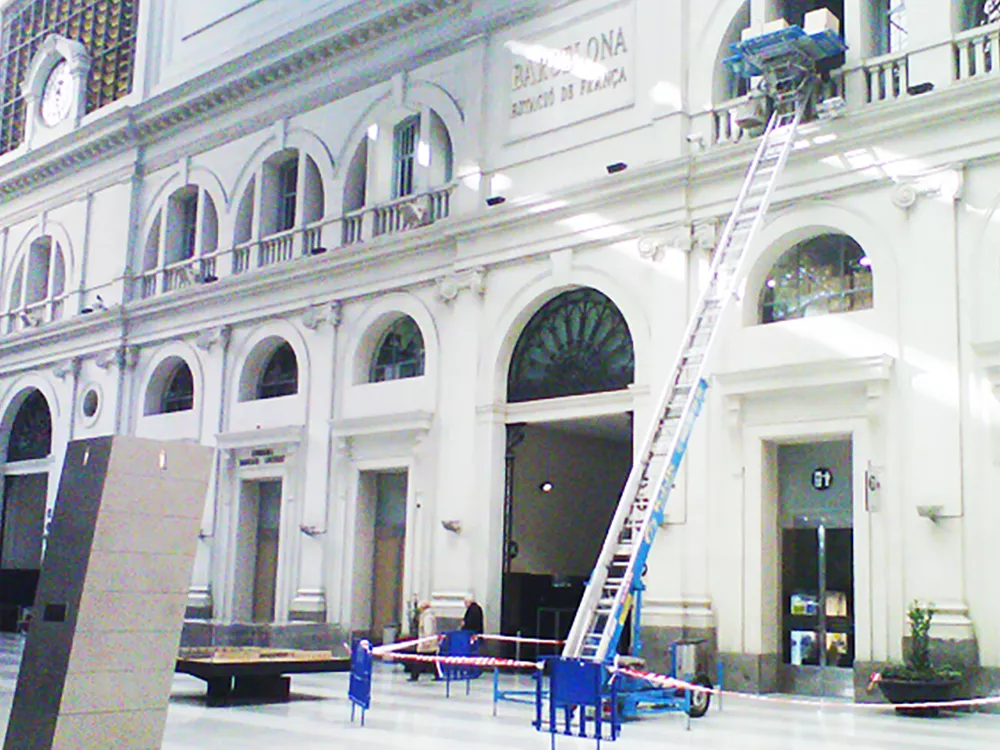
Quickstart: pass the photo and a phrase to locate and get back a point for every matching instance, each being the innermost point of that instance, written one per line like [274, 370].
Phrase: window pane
[400, 354]
[825, 274]
[577, 343]
[179, 393]
[31, 433]
[404, 147]
[281, 375]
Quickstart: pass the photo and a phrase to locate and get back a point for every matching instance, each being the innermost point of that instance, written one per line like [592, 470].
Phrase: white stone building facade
[281, 234]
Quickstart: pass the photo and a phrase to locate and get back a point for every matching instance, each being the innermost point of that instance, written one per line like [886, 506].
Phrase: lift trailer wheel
[700, 700]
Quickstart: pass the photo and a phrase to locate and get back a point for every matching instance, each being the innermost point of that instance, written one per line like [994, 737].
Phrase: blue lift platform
[583, 699]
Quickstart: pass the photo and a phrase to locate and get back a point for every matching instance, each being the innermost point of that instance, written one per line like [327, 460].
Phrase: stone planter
[900, 691]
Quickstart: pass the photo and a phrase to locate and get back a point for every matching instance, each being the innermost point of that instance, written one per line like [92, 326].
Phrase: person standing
[473, 619]
[427, 628]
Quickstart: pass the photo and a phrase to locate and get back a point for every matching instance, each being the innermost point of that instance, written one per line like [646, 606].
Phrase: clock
[57, 95]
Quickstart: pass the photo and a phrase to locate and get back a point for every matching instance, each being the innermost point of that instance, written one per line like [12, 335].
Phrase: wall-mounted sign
[822, 478]
[571, 74]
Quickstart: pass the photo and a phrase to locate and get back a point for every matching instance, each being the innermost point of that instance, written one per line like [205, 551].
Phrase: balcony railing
[976, 52]
[35, 314]
[355, 227]
[400, 215]
[886, 78]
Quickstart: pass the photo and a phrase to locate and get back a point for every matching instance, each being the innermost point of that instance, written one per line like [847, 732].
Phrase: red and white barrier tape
[403, 645]
[517, 639]
[672, 682]
[467, 661]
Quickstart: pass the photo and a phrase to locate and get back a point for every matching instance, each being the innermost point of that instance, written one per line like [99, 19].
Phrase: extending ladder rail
[607, 599]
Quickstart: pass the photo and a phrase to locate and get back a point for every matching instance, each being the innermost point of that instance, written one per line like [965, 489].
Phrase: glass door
[817, 568]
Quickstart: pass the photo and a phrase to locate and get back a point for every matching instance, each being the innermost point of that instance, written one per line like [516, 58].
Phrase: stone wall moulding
[288, 437]
[705, 235]
[873, 372]
[470, 279]
[653, 246]
[123, 357]
[318, 315]
[211, 337]
[69, 367]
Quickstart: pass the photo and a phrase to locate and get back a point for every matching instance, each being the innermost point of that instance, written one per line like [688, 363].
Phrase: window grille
[400, 353]
[288, 176]
[281, 375]
[188, 211]
[107, 28]
[577, 343]
[404, 149]
[31, 433]
[179, 393]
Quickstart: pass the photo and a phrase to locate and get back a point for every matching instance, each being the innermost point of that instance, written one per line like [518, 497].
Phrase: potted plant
[917, 680]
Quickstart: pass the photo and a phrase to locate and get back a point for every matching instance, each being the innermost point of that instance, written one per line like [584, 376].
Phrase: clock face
[57, 95]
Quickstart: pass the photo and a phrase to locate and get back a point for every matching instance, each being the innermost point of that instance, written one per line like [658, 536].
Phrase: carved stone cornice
[653, 246]
[211, 337]
[317, 315]
[122, 357]
[472, 279]
[133, 126]
[69, 367]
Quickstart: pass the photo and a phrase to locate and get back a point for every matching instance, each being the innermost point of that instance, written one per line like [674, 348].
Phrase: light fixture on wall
[618, 166]
[454, 526]
[920, 88]
[546, 486]
[495, 200]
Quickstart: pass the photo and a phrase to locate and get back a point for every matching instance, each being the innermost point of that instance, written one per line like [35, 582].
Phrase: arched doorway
[22, 512]
[564, 474]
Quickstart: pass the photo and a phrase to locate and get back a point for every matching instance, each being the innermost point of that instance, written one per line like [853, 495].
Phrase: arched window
[36, 294]
[31, 432]
[829, 273]
[400, 353]
[281, 374]
[576, 343]
[402, 156]
[179, 392]
[187, 226]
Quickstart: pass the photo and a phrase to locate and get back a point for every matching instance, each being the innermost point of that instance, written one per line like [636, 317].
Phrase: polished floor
[407, 715]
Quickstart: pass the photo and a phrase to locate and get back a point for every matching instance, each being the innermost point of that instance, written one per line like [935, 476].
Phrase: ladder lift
[789, 63]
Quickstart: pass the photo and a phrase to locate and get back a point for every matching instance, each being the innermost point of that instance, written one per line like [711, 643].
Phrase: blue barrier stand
[578, 687]
[459, 643]
[518, 695]
[359, 687]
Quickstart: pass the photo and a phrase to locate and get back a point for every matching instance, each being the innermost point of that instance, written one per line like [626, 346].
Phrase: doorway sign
[822, 478]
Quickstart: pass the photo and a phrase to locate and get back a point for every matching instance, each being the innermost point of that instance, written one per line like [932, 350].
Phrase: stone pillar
[459, 550]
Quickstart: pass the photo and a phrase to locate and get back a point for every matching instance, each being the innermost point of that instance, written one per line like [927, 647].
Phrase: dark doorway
[564, 480]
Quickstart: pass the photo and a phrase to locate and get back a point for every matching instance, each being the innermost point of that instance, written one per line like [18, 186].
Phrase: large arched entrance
[568, 454]
[22, 508]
